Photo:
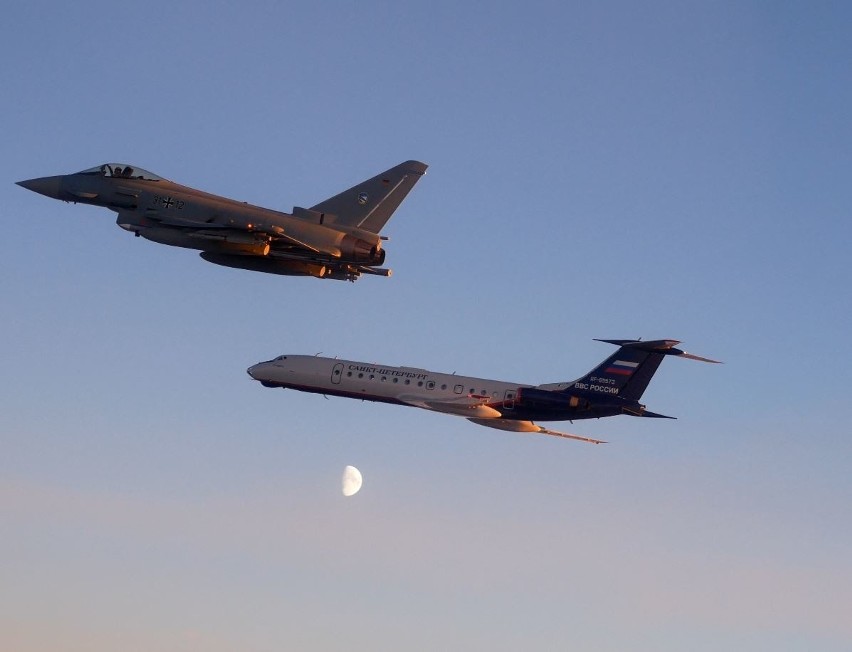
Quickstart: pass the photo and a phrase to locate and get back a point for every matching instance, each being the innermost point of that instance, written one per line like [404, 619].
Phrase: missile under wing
[338, 238]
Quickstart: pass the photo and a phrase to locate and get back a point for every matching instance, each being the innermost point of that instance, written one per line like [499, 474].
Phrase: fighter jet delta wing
[337, 238]
[212, 231]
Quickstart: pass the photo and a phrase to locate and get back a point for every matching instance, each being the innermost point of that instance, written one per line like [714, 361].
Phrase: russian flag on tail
[622, 367]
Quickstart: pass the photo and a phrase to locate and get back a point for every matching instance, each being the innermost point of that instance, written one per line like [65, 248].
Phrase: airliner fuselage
[613, 387]
[472, 397]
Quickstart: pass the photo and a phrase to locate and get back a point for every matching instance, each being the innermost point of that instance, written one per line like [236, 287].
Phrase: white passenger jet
[613, 387]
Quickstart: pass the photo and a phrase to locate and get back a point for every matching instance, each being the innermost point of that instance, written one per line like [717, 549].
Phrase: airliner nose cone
[47, 186]
[250, 370]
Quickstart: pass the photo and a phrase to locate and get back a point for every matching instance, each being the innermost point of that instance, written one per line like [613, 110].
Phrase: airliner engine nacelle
[532, 397]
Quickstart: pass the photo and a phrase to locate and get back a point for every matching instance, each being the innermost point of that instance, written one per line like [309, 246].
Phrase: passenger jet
[613, 387]
[337, 238]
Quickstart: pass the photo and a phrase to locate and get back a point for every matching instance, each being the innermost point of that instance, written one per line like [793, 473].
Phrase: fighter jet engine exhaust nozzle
[360, 251]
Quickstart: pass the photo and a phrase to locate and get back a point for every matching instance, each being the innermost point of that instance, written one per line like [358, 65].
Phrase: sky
[604, 170]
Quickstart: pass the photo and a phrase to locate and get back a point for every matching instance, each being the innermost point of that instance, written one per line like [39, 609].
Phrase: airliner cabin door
[509, 399]
[336, 373]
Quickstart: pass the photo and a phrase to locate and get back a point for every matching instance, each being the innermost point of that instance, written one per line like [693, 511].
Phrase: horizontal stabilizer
[637, 410]
[654, 415]
[690, 356]
[664, 347]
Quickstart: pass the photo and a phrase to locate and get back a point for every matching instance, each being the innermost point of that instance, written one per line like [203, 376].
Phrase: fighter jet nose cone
[47, 186]
[250, 370]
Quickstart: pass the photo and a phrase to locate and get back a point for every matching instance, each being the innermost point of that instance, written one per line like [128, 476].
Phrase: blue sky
[670, 170]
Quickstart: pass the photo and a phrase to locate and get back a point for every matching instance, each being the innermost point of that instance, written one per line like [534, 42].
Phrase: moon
[351, 481]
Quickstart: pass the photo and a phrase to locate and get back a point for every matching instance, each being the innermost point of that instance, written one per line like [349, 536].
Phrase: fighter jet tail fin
[627, 372]
[370, 204]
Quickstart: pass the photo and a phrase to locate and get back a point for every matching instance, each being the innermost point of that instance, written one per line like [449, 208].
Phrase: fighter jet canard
[613, 387]
[337, 238]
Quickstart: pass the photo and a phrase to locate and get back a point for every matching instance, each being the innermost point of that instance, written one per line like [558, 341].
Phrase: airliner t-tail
[613, 387]
[337, 238]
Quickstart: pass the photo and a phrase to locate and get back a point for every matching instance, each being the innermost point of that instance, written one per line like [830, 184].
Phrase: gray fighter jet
[337, 238]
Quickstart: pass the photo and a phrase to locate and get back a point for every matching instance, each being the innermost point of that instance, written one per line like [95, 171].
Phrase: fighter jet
[337, 238]
[613, 387]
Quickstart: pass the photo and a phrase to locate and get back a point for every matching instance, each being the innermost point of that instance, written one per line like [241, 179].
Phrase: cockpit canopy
[122, 171]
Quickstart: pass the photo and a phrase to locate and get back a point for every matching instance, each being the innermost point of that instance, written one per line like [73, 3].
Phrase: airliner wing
[513, 425]
[460, 408]
[485, 415]
[556, 433]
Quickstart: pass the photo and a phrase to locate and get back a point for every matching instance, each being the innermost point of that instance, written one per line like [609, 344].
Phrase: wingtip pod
[666, 347]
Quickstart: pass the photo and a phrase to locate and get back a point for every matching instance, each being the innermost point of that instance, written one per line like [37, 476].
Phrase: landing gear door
[336, 373]
[509, 399]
